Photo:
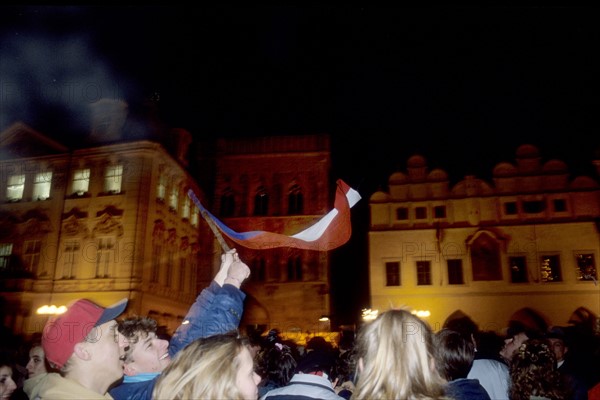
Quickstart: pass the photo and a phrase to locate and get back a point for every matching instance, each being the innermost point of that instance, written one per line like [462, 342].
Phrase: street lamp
[51, 310]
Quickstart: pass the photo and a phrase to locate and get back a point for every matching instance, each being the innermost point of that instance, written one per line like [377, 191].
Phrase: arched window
[485, 258]
[294, 269]
[227, 203]
[295, 200]
[261, 201]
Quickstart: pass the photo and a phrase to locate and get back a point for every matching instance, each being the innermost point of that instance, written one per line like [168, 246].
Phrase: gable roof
[21, 141]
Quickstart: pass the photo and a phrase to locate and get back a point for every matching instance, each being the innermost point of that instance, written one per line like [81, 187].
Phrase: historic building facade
[278, 184]
[526, 244]
[105, 222]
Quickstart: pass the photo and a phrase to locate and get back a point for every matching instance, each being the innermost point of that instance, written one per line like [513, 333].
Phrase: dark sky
[464, 86]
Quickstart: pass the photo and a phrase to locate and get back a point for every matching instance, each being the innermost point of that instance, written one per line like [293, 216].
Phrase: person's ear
[81, 351]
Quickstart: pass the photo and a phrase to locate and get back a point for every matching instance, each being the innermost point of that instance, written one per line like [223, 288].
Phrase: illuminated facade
[279, 184]
[103, 222]
[530, 241]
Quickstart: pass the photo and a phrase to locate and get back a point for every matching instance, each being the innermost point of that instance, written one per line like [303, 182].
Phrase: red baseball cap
[64, 331]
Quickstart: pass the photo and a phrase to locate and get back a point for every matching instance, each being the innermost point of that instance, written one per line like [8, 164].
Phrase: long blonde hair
[396, 359]
[205, 369]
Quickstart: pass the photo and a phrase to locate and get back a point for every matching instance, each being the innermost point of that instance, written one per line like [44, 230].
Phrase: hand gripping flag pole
[329, 232]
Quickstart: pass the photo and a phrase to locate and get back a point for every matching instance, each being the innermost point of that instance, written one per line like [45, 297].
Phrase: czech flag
[329, 232]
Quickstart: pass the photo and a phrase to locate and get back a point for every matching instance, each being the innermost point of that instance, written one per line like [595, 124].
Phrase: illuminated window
[31, 255]
[174, 198]
[5, 255]
[104, 256]
[195, 216]
[295, 200]
[70, 258]
[392, 273]
[518, 269]
[423, 273]
[41, 185]
[455, 272]
[261, 201]
[550, 269]
[81, 181]
[113, 179]
[15, 187]
[185, 212]
[586, 267]
[161, 189]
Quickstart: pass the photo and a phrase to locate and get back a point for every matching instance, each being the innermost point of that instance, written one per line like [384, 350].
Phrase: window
[294, 269]
[392, 273]
[534, 207]
[485, 256]
[423, 273]
[161, 188]
[195, 216]
[586, 267]
[70, 259]
[185, 212]
[5, 255]
[104, 256]
[261, 202]
[14, 189]
[560, 205]
[295, 200]
[31, 255]
[156, 256]
[402, 213]
[182, 268]
[510, 208]
[518, 269]
[439, 211]
[227, 203]
[258, 269]
[41, 185]
[455, 272]
[81, 181]
[550, 269]
[174, 198]
[420, 213]
[170, 266]
[193, 275]
[113, 179]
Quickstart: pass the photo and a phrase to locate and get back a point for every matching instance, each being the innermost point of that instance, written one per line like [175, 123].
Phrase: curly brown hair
[533, 372]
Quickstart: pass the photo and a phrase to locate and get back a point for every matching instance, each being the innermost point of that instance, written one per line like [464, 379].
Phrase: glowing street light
[51, 310]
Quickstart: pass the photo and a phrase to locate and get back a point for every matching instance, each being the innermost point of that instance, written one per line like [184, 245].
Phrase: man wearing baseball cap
[83, 344]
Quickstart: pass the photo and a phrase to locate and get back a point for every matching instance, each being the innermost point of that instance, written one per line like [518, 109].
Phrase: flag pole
[210, 222]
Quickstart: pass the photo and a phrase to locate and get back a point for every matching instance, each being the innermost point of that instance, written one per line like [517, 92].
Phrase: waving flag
[329, 232]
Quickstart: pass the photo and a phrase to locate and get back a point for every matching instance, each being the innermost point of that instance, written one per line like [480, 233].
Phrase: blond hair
[396, 359]
[205, 369]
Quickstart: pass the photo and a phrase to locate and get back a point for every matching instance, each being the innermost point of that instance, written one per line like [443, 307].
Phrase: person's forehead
[5, 370]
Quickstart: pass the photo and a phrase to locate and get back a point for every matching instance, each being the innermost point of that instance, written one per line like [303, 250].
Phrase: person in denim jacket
[218, 309]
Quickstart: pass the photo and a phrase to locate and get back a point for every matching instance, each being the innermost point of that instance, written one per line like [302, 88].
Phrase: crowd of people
[395, 356]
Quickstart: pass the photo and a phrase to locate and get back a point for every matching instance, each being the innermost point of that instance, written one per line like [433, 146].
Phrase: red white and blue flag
[329, 232]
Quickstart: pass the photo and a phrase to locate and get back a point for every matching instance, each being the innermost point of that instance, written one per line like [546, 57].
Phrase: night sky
[463, 86]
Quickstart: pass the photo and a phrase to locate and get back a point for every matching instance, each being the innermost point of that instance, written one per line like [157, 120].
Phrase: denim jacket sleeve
[216, 310]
